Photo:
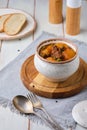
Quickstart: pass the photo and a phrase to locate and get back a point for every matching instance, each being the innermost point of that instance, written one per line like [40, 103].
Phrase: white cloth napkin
[11, 85]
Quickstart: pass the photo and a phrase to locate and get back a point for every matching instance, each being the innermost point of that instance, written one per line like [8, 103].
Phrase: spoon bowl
[23, 104]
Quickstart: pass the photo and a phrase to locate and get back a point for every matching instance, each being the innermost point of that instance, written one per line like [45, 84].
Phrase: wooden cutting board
[37, 83]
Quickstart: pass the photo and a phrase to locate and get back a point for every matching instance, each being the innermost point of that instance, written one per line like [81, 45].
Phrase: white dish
[79, 113]
[56, 71]
[30, 26]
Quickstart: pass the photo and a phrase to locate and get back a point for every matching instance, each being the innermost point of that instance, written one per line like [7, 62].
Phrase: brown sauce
[57, 52]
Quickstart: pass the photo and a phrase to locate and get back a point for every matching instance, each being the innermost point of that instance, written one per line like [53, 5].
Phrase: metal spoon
[24, 105]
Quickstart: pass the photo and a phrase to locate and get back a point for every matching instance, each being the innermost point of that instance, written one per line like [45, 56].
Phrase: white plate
[30, 26]
[79, 113]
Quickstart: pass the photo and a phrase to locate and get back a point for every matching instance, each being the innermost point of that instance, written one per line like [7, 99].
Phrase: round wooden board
[39, 85]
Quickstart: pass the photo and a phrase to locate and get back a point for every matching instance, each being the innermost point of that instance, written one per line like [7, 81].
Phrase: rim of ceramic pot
[56, 40]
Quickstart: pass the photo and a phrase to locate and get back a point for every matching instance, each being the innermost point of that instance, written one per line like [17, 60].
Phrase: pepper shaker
[73, 17]
[55, 11]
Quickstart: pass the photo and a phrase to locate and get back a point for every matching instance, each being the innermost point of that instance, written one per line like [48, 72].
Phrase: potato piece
[68, 53]
[46, 51]
[61, 45]
[50, 59]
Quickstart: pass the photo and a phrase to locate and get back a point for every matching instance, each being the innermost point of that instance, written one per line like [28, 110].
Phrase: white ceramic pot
[56, 71]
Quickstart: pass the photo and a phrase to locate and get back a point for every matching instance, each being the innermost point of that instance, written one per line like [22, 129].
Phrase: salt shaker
[73, 17]
[55, 11]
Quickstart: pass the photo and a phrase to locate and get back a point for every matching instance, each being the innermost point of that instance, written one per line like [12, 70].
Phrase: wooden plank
[42, 17]
[27, 5]
[3, 3]
[83, 23]
[0, 45]
[12, 121]
[11, 49]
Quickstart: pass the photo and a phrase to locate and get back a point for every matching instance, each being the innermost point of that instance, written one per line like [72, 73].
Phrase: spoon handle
[43, 119]
[51, 119]
[49, 123]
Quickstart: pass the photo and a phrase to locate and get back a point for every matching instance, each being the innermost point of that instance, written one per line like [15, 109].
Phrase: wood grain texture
[83, 22]
[73, 20]
[38, 84]
[55, 11]
[4, 3]
[0, 45]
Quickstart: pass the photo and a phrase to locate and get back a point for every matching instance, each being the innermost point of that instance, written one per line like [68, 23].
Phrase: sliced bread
[14, 23]
[2, 20]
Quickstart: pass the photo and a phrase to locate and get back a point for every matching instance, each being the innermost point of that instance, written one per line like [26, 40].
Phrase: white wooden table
[39, 9]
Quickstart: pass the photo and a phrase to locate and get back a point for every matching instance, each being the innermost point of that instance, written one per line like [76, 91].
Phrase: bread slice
[2, 20]
[14, 23]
